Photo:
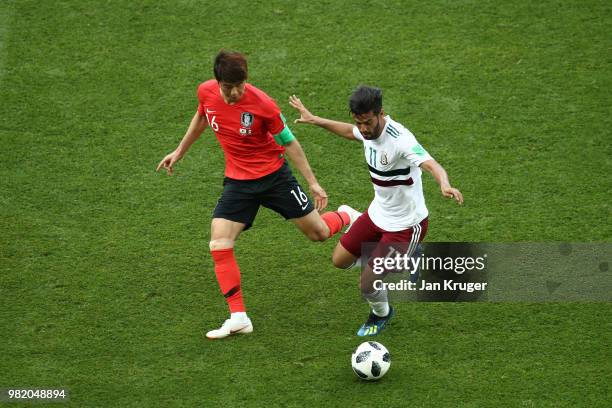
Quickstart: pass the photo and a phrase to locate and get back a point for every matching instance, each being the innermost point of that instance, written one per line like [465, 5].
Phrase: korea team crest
[246, 119]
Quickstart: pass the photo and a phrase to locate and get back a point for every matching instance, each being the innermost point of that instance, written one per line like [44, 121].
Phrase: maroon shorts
[364, 230]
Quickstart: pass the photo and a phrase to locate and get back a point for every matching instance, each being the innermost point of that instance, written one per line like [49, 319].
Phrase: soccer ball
[371, 361]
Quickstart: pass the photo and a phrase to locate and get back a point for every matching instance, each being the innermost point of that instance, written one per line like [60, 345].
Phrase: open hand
[320, 196]
[305, 115]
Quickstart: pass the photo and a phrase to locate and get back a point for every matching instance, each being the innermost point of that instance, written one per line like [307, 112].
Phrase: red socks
[228, 273]
[228, 276]
[335, 220]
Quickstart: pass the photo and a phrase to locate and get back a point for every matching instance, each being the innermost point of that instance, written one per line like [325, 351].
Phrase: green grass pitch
[106, 283]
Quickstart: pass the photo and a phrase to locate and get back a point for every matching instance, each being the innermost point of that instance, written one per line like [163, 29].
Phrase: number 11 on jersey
[372, 158]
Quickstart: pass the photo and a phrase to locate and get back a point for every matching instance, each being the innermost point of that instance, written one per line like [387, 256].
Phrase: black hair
[365, 99]
[230, 66]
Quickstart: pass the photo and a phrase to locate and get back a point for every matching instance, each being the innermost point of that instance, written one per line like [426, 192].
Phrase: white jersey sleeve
[412, 150]
[357, 134]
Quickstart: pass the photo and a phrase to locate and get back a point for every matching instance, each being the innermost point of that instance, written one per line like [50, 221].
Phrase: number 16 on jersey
[302, 199]
[212, 122]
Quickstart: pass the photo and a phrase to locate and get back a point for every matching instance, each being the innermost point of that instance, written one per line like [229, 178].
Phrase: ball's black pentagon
[363, 356]
[387, 358]
[374, 345]
[359, 373]
[375, 369]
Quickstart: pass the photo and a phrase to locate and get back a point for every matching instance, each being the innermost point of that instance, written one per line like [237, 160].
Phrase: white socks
[378, 302]
[239, 316]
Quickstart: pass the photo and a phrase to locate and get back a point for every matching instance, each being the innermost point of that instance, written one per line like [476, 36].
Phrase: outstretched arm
[196, 127]
[441, 177]
[295, 153]
[340, 128]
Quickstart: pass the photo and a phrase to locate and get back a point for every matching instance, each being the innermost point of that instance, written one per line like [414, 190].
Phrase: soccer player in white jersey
[397, 216]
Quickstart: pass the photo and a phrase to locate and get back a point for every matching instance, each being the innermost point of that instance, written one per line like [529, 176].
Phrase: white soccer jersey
[393, 160]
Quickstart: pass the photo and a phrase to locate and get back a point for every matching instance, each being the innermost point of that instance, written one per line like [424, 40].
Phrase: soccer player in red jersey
[255, 139]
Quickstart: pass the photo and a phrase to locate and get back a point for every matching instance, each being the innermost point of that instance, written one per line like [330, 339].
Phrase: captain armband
[284, 137]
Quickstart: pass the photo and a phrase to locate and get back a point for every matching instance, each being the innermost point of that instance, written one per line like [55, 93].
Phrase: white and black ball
[371, 361]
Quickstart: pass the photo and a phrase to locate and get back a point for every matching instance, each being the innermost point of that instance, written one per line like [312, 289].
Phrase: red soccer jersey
[245, 130]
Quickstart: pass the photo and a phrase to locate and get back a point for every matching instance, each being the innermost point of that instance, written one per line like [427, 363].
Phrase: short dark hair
[230, 66]
[365, 99]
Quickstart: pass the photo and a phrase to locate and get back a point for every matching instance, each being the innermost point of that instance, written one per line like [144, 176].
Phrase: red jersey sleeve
[273, 119]
[202, 90]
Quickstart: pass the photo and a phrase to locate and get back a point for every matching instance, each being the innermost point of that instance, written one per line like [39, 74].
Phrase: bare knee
[221, 243]
[339, 262]
[342, 261]
[318, 234]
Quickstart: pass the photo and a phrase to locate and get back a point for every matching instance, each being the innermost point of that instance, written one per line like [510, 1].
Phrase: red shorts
[364, 230]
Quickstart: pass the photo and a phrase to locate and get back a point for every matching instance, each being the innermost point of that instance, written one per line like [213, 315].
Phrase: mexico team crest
[383, 159]
[246, 119]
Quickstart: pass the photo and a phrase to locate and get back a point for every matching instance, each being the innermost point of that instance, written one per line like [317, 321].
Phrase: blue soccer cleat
[375, 324]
